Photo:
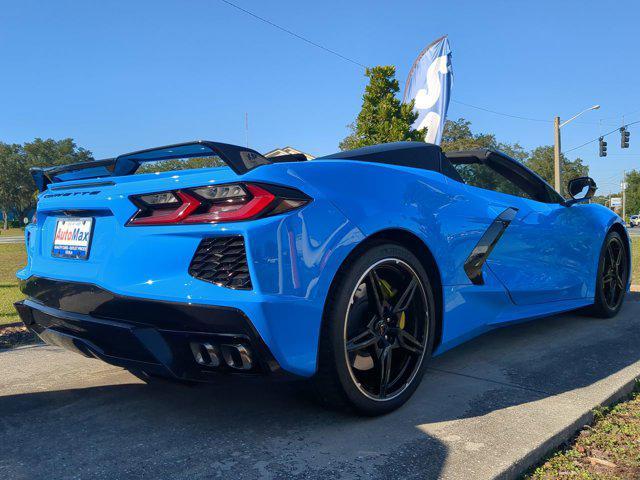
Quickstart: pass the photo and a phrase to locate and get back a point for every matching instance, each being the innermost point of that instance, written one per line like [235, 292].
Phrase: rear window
[180, 164]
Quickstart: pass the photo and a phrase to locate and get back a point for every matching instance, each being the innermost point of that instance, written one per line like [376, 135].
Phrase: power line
[598, 138]
[519, 117]
[620, 116]
[299, 37]
[503, 114]
[355, 62]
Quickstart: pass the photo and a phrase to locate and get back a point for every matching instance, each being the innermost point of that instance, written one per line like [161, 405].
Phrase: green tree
[457, 135]
[15, 185]
[17, 190]
[600, 199]
[541, 162]
[383, 117]
[49, 152]
[633, 192]
[180, 164]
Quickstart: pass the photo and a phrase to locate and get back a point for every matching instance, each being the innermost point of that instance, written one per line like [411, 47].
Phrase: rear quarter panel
[379, 197]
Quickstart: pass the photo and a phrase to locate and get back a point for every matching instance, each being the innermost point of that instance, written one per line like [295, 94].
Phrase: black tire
[335, 382]
[614, 261]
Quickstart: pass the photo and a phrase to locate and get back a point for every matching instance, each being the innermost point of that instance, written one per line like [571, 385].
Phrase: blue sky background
[122, 75]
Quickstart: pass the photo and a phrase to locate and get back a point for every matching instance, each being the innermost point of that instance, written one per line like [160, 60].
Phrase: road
[486, 409]
[12, 239]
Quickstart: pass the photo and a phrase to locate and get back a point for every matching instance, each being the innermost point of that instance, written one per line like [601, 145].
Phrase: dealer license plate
[72, 238]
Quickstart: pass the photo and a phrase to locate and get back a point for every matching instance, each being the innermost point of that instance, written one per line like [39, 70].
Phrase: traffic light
[603, 147]
[624, 137]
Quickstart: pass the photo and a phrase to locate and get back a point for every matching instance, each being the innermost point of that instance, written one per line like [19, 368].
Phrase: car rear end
[183, 273]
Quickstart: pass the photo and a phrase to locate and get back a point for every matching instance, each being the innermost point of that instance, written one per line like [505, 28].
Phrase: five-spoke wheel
[613, 276]
[385, 328]
[378, 331]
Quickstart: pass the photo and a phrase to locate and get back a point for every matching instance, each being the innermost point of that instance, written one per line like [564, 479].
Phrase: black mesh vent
[223, 261]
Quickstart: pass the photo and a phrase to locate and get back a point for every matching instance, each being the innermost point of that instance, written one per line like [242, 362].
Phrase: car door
[540, 253]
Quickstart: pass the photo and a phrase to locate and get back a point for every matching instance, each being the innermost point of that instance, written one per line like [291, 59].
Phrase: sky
[118, 76]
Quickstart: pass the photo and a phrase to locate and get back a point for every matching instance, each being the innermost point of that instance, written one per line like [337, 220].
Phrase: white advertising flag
[429, 85]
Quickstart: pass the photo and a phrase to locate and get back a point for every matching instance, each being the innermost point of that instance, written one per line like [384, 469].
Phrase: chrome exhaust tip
[237, 356]
[205, 354]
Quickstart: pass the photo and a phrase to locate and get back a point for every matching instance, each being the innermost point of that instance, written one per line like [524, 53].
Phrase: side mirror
[581, 189]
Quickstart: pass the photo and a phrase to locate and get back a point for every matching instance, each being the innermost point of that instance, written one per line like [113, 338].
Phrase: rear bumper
[154, 336]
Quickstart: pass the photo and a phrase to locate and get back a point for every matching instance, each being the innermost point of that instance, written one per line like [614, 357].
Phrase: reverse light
[222, 192]
[215, 204]
[163, 199]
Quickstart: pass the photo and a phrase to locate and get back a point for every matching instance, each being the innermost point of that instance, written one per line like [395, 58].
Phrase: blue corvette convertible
[352, 270]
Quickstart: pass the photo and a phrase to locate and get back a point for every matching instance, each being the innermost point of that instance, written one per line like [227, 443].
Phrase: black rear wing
[239, 159]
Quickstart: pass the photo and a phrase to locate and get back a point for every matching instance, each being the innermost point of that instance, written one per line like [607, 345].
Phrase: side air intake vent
[223, 261]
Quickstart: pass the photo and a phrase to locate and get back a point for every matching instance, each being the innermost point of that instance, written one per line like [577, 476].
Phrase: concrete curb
[538, 454]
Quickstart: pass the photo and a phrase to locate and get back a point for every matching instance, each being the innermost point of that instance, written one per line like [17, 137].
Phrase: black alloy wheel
[386, 326]
[612, 278]
[378, 331]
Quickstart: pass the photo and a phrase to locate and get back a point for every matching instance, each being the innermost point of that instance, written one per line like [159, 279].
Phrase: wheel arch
[618, 227]
[415, 245]
[622, 231]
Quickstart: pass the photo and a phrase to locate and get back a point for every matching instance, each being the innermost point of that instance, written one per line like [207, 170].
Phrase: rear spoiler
[239, 159]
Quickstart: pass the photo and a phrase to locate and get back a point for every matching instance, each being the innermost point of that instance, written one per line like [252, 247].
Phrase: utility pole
[557, 162]
[557, 170]
[624, 196]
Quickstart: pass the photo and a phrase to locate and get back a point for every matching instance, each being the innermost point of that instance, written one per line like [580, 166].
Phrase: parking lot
[65, 416]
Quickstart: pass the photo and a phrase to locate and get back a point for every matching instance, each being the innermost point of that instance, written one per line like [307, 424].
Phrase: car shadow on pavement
[253, 428]
[245, 429]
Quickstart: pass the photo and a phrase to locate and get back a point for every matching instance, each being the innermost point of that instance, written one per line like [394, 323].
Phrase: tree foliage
[383, 117]
[17, 190]
[458, 135]
[180, 164]
[541, 161]
[633, 192]
[49, 152]
[14, 181]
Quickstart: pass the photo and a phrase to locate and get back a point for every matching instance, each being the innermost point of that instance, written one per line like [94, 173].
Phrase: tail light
[231, 202]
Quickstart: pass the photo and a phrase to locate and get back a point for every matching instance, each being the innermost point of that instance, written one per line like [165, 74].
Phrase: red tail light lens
[215, 204]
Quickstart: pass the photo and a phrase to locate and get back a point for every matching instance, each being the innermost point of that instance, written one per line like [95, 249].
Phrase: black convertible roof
[477, 155]
[408, 154]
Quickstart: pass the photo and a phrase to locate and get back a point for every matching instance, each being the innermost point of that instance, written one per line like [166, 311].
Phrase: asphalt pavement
[487, 409]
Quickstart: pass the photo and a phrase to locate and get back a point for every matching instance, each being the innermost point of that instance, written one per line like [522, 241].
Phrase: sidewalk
[488, 409]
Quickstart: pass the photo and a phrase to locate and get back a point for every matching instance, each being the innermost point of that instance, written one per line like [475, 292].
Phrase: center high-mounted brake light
[232, 202]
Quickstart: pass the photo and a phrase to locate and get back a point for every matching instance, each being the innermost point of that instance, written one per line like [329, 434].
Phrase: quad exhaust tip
[235, 356]
[205, 354]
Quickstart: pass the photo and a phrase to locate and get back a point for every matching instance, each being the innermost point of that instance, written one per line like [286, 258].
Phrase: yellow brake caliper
[388, 293]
